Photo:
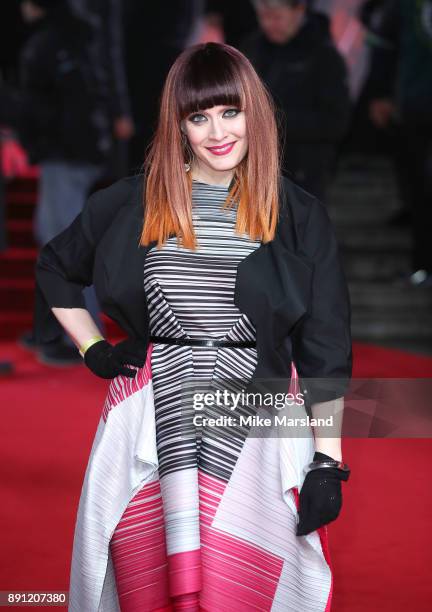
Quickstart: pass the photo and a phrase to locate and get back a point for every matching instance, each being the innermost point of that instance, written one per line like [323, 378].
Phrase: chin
[224, 165]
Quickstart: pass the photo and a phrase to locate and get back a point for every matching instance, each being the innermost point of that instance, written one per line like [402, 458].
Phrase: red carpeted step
[21, 211]
[21, 198]
[17, 294]
[14, 323]
[20, 233]
[18, 263]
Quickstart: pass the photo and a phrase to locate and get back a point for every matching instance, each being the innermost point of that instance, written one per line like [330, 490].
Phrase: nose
[217, 131]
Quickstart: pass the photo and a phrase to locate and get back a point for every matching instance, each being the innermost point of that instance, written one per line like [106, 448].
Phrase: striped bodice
[191, 293]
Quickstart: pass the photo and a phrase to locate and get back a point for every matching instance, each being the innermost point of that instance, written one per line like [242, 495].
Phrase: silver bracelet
[315, 465]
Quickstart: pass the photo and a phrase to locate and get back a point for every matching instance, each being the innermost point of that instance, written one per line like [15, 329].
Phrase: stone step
[352, 200]
[352, 214]
[364, 178]
[374, 266]
[355, 200]
[412, 345]
[389, 298]
[369, 326]
[364, 181]
[373, 238]
[365, 163]
[361, 199]
[365, 173]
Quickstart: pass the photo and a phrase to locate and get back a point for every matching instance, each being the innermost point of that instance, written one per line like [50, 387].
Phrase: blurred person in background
[236, 19]
[156, 33]
[106, 51]
[371, 137]
[11, 22]
[62, 120]
[401, 82]
[295, 56]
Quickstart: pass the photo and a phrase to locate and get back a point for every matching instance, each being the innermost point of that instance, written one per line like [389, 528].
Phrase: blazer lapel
[274, 280]
[273, 287]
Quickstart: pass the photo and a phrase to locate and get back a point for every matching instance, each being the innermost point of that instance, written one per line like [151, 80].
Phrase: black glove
[108, 361]
[320, 496]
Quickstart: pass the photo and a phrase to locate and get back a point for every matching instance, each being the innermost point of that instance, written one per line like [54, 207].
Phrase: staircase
[360, 201]
[17, 263]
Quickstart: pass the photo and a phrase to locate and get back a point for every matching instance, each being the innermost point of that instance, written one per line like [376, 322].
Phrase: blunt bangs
[209, 80]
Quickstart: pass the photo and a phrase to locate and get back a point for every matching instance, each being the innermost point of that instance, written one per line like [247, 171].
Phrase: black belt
[199, 342]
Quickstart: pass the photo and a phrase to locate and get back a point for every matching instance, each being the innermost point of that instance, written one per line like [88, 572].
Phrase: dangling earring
[188, 150]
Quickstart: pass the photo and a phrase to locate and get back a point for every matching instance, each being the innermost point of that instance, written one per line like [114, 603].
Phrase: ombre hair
[203, 76]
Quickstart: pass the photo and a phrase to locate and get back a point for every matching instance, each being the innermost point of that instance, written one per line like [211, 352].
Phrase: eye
[196, 118]
[200, 118]
[231, 112]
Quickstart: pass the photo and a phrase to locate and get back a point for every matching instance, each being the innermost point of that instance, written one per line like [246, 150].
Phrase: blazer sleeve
[64, 265]
[322, 345]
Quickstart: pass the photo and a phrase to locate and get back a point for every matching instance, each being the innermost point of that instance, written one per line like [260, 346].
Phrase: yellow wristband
[89, 343]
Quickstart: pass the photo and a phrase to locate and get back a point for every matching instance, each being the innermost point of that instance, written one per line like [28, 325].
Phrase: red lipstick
[222, 149]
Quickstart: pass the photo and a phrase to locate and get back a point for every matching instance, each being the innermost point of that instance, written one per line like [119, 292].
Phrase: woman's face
[217, 137]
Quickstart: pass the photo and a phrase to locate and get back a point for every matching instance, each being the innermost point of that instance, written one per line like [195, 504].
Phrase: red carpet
[380, 544]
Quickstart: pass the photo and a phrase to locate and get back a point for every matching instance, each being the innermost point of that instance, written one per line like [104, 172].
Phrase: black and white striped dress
[190, 294]
[174, 516]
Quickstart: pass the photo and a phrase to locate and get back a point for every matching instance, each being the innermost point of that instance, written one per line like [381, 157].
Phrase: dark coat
[106, 49]
[308, 80]
[59, 111]
[401, 62]
[293, 288]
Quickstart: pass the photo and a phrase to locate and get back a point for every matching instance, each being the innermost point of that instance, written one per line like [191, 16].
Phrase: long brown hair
[203, 76]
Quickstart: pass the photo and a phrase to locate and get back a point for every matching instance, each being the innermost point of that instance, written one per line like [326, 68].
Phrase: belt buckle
[209, 342]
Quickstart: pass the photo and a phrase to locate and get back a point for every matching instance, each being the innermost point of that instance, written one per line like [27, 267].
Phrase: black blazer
[293, 288]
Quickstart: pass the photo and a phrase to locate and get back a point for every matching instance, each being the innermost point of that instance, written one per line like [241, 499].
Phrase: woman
[177, 513]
